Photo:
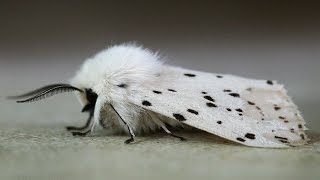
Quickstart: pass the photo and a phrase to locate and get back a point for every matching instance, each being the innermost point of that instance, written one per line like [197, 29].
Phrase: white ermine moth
[127, 88]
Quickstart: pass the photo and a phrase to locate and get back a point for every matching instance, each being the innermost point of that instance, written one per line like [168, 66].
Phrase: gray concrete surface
[34, 145]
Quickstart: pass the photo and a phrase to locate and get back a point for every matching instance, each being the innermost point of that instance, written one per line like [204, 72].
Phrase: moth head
[87, 95]
[88, 99]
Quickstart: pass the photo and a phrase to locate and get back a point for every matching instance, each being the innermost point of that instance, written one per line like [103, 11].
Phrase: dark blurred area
[32, 26]
[46, 41]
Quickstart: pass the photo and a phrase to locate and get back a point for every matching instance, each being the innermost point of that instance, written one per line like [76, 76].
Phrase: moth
[127, 88]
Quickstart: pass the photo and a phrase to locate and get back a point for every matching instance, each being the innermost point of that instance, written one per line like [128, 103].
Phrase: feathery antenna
[45, 92]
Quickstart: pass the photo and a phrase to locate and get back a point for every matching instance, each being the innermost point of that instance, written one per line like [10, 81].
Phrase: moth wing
[251, 112]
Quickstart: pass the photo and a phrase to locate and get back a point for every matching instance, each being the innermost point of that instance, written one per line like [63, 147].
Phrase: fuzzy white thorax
[126, 64]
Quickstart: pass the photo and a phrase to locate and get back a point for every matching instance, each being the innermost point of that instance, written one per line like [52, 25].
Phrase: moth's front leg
[87, 108]
[79, 131]
[82, 128]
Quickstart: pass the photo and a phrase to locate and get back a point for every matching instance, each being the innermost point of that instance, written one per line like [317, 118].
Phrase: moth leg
[73, 128]
[128, 141]
[81, 133]
[171, 134]
[79, 129]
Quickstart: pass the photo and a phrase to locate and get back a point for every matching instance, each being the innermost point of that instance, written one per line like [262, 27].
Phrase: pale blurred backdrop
[43, 42]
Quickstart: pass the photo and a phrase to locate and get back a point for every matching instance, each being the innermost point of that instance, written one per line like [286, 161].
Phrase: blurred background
[46, 41]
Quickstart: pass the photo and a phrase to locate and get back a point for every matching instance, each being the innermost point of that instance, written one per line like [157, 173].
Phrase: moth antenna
[50, 91]
[36, 91]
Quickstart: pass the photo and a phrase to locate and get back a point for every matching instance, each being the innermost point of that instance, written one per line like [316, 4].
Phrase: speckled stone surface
[34, 145]
[39, 153]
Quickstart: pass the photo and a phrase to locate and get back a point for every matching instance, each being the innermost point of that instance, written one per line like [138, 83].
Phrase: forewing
[251, 112]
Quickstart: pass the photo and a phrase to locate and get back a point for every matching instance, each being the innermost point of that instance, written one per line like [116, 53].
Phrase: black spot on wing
[250, 136]
[276, 107]
[122, 85]
[269, 82]
[283, 141]
[239, 110]
[209, 98]
[251, 103]
[209, 104]
[179, 117]
[226, 90]
[157, 92]
[172, 90]
[146, 103]
[189, 75]
[219, 76]
[203, 92]
[219, 122]
[282, 138]
[281, 117]
[193, 111]
[235, 95]
[228, 109]
[240, 139]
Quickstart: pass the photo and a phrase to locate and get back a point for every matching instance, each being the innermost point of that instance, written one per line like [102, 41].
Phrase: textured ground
[34, 145]
[42, 152]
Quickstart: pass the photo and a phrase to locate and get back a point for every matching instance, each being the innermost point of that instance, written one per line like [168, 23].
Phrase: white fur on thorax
[115, 65]
[123, 64]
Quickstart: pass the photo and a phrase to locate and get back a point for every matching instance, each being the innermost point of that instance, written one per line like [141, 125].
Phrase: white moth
[129, 89]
